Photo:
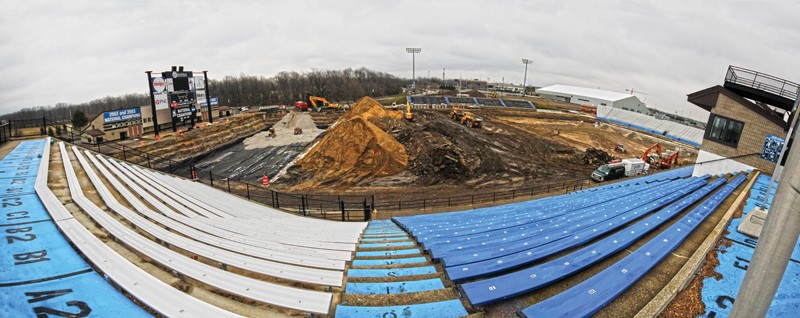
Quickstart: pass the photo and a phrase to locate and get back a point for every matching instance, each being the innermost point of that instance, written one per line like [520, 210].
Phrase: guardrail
[761, 81]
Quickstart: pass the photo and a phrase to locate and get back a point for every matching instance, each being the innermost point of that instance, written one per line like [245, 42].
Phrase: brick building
[745, 114]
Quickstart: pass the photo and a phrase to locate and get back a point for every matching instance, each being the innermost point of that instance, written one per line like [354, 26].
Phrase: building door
[123, 135]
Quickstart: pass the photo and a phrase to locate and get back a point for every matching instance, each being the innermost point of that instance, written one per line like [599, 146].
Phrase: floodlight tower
[525, 79]
[413, 51]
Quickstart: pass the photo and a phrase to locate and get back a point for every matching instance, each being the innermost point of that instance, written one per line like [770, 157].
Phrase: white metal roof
[583, 91]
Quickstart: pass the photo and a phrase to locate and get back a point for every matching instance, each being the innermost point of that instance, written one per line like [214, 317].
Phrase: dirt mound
[284, 132]
[354, 150]
[594, 157]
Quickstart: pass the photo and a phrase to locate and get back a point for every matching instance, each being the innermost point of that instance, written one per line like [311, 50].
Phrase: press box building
[605, 101]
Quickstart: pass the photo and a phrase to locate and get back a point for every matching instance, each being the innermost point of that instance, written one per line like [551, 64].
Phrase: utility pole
[525, 79]
[443, 82]
[413, 51]
[778, 238]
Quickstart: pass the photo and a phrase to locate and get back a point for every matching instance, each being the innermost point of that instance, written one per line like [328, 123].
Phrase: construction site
[433, 206]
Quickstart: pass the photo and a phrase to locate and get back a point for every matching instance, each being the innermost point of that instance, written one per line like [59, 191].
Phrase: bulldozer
[471, 120]
[298, 130]
[457, 113]
[271, 133]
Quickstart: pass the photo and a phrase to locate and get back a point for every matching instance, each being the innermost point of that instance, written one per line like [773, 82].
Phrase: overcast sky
[75, 51]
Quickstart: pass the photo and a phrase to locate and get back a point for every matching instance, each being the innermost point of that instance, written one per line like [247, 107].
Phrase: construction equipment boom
[407, 114]
[646, 156]
[323, 103]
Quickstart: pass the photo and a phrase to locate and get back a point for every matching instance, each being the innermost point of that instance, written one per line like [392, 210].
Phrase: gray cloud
[74, 51]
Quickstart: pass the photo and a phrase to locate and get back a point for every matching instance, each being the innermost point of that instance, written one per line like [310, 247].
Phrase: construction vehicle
[670, 160]
[407, 113]
[457, 113]
[655, 158]
[589, 109]
[320, 103]
[471, 120]
[619, 169]
[298, 130]
[301, 105]
[271, 133]
[620, 148]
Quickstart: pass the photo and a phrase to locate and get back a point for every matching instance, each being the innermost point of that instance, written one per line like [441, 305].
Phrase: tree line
[246, 90]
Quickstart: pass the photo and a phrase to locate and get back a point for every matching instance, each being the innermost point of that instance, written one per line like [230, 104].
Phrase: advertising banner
[116, 116]
[200, 82]
[158, 85]
[772, 148]
[201, 97]
[162, 100]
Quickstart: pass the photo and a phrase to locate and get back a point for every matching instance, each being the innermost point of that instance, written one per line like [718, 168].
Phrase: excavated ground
[514, 148]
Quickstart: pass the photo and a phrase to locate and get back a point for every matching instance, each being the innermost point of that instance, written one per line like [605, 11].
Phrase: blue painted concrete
[354, 272]
[389, 253]
[81, 294]
[378, 245]
[442, 309]
[384, 239]
[719, 295]
[388, 261]
[394, 287]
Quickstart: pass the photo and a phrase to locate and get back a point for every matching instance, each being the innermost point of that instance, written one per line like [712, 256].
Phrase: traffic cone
[141, 143]
[158, 137]
[265, 181]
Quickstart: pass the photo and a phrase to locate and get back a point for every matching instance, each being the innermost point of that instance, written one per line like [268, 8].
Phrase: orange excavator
[323, 103]
[654, 158]
[670, 160]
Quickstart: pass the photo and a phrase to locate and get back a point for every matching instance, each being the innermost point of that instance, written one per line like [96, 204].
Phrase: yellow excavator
[323, 103]
[407, 113]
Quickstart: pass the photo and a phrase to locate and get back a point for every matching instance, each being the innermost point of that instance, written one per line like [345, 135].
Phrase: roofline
[730, 94]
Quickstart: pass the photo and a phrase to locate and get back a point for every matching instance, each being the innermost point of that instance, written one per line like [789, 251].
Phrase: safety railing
[763, 82]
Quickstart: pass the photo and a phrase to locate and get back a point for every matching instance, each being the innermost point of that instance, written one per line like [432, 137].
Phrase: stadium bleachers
[587, 297]
[494, 289]
[462, 100]
[384, 272]
[48, 277]
[670, 129]
[518, 103]
[490, 102]
[428, 100]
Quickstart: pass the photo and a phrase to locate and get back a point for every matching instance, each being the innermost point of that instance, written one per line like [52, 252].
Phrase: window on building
[724, 130]
[603, 104]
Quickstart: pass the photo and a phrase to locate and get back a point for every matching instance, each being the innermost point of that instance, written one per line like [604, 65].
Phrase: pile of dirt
[284, 132]
[594, 157]
[357, 148]
[476, 93]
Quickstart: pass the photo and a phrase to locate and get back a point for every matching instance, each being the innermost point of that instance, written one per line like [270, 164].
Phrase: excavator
[407, 113]
[670, 160]
[323, 103]
[652, 159]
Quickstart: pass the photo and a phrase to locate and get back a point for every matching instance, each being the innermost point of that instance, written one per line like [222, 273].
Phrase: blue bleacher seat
[587, 297]
[443, 309]
[411, 286]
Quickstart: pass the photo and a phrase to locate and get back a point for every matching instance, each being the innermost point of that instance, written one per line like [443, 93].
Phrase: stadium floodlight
[525, 79]
[413, 51]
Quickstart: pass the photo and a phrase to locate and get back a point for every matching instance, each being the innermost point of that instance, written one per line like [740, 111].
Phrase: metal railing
[5, 132]
[761, 81]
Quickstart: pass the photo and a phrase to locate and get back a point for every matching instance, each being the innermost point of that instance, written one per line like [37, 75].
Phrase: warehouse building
[604, 100]
[118, 124]
[746, 128]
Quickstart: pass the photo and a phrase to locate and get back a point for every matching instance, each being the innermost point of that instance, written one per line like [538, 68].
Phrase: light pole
[413, 51]
[525, 79]
[443, 82]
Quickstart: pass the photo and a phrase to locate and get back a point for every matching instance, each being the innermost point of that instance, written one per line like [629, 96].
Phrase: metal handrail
[787, 89]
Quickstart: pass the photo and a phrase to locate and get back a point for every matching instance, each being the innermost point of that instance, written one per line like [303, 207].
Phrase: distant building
[604, 100]
[742, 134]
[118, 124]
[471, 84]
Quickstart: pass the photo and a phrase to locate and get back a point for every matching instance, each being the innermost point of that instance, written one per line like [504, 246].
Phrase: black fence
[5, 132]
[333, 207]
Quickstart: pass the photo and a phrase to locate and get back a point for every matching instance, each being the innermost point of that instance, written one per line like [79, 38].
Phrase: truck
[619, 169]
[301, 105]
